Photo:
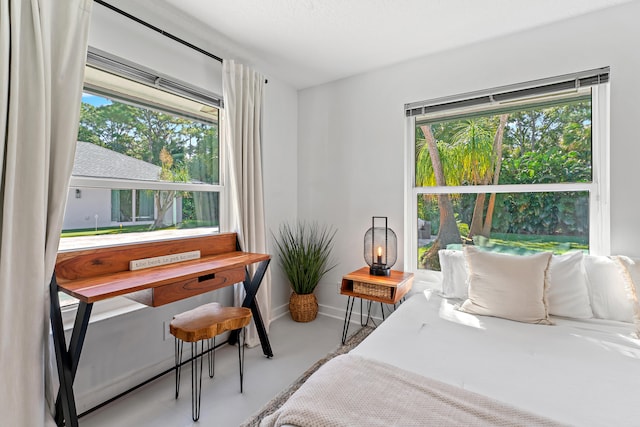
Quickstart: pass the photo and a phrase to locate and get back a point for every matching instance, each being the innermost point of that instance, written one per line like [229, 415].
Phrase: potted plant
[304, 251]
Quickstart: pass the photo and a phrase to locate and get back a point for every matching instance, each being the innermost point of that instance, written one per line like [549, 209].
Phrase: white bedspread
[351, 390]
[585, 373]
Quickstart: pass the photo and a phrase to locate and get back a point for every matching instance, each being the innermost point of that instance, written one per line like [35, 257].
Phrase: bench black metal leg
[196, 379]
[211, 356]
[178, 345]
[241, 356]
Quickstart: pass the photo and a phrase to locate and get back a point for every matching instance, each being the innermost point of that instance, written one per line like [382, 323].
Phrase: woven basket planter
[303, 307]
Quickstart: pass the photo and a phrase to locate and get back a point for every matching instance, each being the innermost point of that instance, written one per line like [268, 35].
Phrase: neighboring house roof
[98, 162]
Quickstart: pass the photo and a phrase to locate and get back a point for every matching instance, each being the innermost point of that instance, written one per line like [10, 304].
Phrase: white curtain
[242, 132]
[43, 45]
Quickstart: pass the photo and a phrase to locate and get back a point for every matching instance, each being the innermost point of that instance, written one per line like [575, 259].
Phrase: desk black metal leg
[67, 359]
[262, 332]
[347, 318]
[75, 348]
[63, 361]
[251, 286]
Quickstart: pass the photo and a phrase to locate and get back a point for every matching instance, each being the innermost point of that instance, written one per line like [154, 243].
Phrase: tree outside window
[537, 144]
[182, 149]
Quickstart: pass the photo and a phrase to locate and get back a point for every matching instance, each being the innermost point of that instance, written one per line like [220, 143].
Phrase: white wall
[279, 151]
[120, 36]
[80, 211]
[121, 351]
[351, 132]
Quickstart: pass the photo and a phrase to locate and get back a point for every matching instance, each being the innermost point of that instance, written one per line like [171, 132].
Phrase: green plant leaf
[304, 252]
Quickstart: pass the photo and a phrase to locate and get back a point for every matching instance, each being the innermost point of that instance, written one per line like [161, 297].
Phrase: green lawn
[133, 228]
[533, 243]
[523, 244]
[106, 230]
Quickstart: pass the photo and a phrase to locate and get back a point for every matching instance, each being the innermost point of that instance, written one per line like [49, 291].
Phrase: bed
[577, 371]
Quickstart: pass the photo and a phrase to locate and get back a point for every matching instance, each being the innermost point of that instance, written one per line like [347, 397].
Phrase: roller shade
[504, 94]
[121, 67]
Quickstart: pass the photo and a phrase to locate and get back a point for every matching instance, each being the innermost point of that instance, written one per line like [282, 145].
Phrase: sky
[94, 100]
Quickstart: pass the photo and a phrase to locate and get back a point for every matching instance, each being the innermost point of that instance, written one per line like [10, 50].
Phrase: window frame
[598, 188]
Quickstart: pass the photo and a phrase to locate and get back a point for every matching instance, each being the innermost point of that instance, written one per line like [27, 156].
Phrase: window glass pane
[121, 207]
[144, 205]
[115, 203]
[120, 148]
[181, 149]
[516, 223]
[200, 209]
[546, 142]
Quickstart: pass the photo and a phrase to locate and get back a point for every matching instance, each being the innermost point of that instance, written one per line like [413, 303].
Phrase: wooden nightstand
[383, 289]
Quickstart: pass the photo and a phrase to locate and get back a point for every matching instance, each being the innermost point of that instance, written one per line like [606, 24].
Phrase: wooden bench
[202, 324]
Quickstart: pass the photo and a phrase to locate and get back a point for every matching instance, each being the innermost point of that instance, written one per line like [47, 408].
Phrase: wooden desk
[383, 289]
[93, 275]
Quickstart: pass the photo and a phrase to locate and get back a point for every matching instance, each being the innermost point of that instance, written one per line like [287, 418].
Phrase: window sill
[86, 242]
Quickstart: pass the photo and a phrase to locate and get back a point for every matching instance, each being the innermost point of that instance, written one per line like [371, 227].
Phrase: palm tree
[497, 159]
[472, 155]
[428, 159]
[478, 144]
[473, 143]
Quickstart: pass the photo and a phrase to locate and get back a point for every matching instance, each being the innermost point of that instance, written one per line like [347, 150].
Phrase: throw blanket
[350, 390]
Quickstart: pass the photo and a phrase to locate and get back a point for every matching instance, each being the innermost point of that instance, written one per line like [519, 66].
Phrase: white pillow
[454, 273]
[508, 286]
[568, 294]
[631, 274]
[607, 288]
[430, 279]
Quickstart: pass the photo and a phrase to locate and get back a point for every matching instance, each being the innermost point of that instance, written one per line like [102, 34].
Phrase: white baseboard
[327, 310]
[280, 311]
[339, 313]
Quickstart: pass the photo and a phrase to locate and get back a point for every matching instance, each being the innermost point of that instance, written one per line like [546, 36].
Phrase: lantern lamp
[380, 247]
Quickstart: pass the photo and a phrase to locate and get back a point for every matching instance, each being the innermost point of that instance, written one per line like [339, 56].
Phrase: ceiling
[310, 42]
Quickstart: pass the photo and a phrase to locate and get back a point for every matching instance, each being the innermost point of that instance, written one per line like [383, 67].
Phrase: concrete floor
[296, 346]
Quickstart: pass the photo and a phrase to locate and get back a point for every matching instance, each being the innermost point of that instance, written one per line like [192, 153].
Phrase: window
[121, 206]
[516, 170]
[147, 163]
[145, 205]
